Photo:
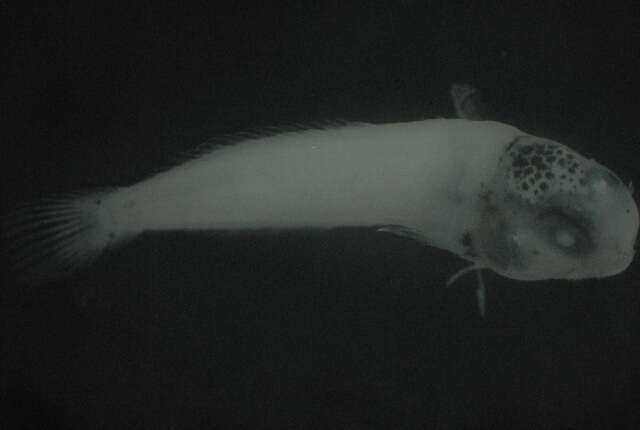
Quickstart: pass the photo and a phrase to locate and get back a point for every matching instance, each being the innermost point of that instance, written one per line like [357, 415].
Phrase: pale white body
[423, 176]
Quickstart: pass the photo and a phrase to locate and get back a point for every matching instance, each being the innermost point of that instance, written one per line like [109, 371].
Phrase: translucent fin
[226, 140]
[481, 294]
[481, 289]
[463, 272]
[399, 230]
[467, 102]
[56, 236]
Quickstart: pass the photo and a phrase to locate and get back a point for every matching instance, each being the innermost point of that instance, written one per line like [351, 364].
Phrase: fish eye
[566, 231]
[565, 238]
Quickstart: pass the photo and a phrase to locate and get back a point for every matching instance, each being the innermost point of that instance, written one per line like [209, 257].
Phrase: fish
[525, 207]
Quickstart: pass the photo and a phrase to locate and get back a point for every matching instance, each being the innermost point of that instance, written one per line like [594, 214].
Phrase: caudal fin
[58, 235]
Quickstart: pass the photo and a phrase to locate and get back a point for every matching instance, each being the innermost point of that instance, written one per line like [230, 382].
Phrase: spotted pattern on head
[539, 168]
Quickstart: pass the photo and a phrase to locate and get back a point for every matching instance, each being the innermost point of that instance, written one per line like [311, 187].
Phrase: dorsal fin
[467, 102]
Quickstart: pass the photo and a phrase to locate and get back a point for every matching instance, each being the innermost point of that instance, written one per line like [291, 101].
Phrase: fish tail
[58, 235]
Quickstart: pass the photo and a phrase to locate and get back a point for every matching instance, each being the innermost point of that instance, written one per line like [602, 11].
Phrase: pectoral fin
[399, 230]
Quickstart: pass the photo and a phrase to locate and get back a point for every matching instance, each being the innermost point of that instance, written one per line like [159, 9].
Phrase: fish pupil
[565, 238]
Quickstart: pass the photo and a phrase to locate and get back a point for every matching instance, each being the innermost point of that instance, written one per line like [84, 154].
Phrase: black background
[346, 329]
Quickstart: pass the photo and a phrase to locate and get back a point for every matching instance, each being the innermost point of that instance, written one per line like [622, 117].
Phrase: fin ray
[56, 235]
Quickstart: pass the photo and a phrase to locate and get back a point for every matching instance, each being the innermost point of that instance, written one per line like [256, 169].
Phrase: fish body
[423, 176]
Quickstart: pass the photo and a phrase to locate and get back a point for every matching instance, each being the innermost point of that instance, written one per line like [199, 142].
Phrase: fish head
[551, 213]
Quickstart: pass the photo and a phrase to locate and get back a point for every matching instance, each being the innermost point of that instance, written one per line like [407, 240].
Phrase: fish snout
[600, 179]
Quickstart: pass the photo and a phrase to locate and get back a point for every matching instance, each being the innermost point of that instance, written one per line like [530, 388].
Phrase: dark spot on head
[572, 169]
[519, 162]
[582, 181]
[538, 175]
[544, 186]
[562, 162]
[526, 150]
[548, 175]
[517, 173]
[98, 202]
[550, 158]
[525, 186]
[111, 235]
